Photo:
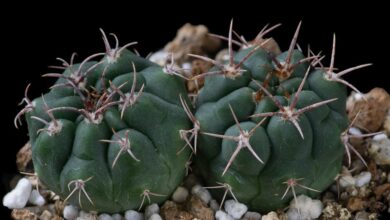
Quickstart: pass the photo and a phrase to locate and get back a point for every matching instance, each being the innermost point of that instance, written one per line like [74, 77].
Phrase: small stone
[117, 217]
[270, 216]
[87, 216]
[105, 216]
[214, 205]
[303, 207]
[171, 210]
[180, 195]
[151, 209]
[235, 209]
[268, 43]
[36, 198]
[46, 215]
[221, 215]
[355, 131]
[159, 57]
[347, 180]
[386, 124]
[355, 204]
[202, 193]
[70, 212]
[373, 109]
[23, 157]
[23, 214]
[155, 217]
[199, 209]
[18, 197]
[133, 215]
[381, 190]
[83, 214]
[361, 216]
[193, 39]
[252, 216]
[363, 179]
[344, 214]
[380, 149]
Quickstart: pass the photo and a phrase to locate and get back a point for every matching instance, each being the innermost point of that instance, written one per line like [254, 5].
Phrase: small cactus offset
[270, 126]
[106, 136]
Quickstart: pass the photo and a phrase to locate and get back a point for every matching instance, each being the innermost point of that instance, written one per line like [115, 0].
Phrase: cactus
[270, 126]
[106, 136]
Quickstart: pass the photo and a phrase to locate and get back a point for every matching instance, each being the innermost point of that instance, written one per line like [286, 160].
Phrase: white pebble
[304, 208]
[235, 209]
[36, 198]
[252, 216]
[270, 216]
[379, 137]
[151, 209]
[133, 215]
[70, 212]
[214, 205]
[363, 179]
[201, 193]
[358, 96]
[180, 195]
[221, 215]
[355, 131]
[18, 197]
[347, 180]
[86, 216]
[83, 214]
[187, 67]
[117, 217]
[362, 215]
[380, 149]
[155, 217]
[105, 216]
[159, 57]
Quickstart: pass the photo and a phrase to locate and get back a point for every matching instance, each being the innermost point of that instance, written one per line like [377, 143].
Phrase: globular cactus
[106, 136]
[270, 126]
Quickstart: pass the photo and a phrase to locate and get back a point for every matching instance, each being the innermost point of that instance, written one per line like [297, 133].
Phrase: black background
[33, 38]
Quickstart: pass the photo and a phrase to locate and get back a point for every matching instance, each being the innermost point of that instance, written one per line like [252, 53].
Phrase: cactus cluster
[114, 134]
[105, 136]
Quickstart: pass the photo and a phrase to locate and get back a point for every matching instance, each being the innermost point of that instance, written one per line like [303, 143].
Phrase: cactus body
[308, 162]
[119, 157]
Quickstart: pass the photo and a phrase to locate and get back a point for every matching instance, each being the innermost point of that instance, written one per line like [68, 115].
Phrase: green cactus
[269, 125]
[106, 136]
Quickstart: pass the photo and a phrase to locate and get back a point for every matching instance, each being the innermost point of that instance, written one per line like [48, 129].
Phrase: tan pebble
[386, 124]
[270, 216]
[198, 209]
[381, 190]
[271, 45]
[373, 110]
[23, 214]
[171, 210]
[344, 214]
[373, 216]
[23, 157]
[46, 215]
[193, 39]
[197, 67]
[356, 204]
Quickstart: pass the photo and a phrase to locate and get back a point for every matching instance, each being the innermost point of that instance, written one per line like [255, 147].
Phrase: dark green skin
[317, 158]
[77, 152]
